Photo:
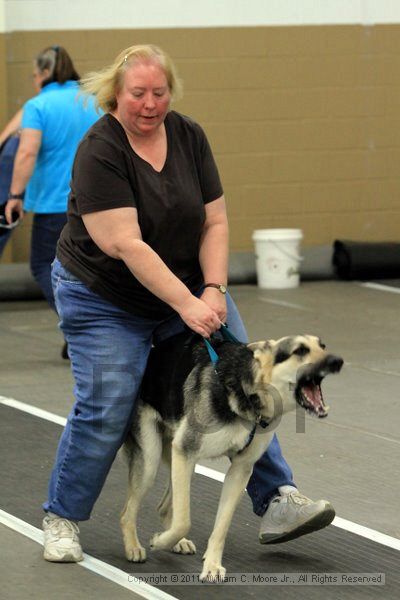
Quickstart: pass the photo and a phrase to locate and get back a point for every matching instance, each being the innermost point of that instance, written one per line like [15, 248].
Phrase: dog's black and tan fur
[188, 412]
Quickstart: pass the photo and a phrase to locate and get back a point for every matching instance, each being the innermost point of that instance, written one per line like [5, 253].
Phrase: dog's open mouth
[308, 389]
[309, 396]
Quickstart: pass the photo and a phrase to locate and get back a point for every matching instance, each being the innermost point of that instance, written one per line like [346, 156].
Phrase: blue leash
[228, 336]
[213, 355]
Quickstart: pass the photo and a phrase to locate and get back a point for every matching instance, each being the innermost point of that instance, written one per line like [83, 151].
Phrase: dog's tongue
[314, 397]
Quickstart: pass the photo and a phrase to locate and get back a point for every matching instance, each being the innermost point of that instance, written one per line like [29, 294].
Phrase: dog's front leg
[235, 482]
[182, 467]
[184, 546]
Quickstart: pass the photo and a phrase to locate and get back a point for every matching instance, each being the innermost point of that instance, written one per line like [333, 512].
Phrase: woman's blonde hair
[105, 84]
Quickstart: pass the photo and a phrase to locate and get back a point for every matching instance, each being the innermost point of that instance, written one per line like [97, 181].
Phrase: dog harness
[229, 337]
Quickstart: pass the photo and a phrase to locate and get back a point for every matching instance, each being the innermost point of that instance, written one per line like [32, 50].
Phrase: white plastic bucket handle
[284, 251]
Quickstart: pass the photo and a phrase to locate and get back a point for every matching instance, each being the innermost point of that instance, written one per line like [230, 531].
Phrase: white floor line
[123, 579]
[283, 303]
[366, 532]
[381, 287]
[211, 473]
[370, 534]
[33, 410]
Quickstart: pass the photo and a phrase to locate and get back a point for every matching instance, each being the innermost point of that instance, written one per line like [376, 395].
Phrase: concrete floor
[351, 457]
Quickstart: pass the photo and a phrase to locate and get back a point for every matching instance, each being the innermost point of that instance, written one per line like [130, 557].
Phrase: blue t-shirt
[59, 112]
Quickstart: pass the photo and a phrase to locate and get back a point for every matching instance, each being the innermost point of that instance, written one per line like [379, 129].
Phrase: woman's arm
[116, 232]
[12, 126]
[214, 253]
[24, 164]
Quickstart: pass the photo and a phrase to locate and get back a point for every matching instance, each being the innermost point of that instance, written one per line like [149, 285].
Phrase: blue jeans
[109, 349]
[46, 229]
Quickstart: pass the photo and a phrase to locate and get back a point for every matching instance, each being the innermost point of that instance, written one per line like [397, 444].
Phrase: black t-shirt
[107, 174]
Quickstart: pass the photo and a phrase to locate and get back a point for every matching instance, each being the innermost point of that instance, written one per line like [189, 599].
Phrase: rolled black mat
[366, 260]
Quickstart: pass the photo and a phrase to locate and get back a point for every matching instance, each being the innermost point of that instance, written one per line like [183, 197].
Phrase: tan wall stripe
[304, 121]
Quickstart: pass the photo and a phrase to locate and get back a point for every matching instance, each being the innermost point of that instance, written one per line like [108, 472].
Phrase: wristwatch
[20, 196]
[218, 286]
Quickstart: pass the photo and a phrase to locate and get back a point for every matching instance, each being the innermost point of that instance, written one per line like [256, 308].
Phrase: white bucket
[277, 257]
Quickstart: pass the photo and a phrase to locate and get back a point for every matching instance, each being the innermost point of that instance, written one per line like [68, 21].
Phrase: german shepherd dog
[190, 410]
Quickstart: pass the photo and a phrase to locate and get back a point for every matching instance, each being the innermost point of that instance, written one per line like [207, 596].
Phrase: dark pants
[4, 237]
[46, 230]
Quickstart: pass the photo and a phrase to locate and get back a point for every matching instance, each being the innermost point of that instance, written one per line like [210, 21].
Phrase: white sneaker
[292, 515]
[61, 539]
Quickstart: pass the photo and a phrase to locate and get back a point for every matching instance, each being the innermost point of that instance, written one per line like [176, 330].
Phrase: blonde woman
[145, 251]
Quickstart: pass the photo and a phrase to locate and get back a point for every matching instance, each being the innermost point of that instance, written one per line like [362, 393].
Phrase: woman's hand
[216, 301]
[199, 316]
[11, 207]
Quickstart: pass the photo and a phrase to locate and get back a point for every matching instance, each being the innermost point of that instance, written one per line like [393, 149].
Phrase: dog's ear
[261, 351]
[263, 345]
[262, 360]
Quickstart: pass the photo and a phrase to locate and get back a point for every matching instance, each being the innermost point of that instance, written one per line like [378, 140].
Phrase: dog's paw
[159, 541]
[213, 573]
[165, 540]
[154, 541]
[184, 546]
[136, 554]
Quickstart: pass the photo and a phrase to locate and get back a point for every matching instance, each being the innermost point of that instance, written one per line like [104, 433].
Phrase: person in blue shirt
[9, 141]
[53, 123]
